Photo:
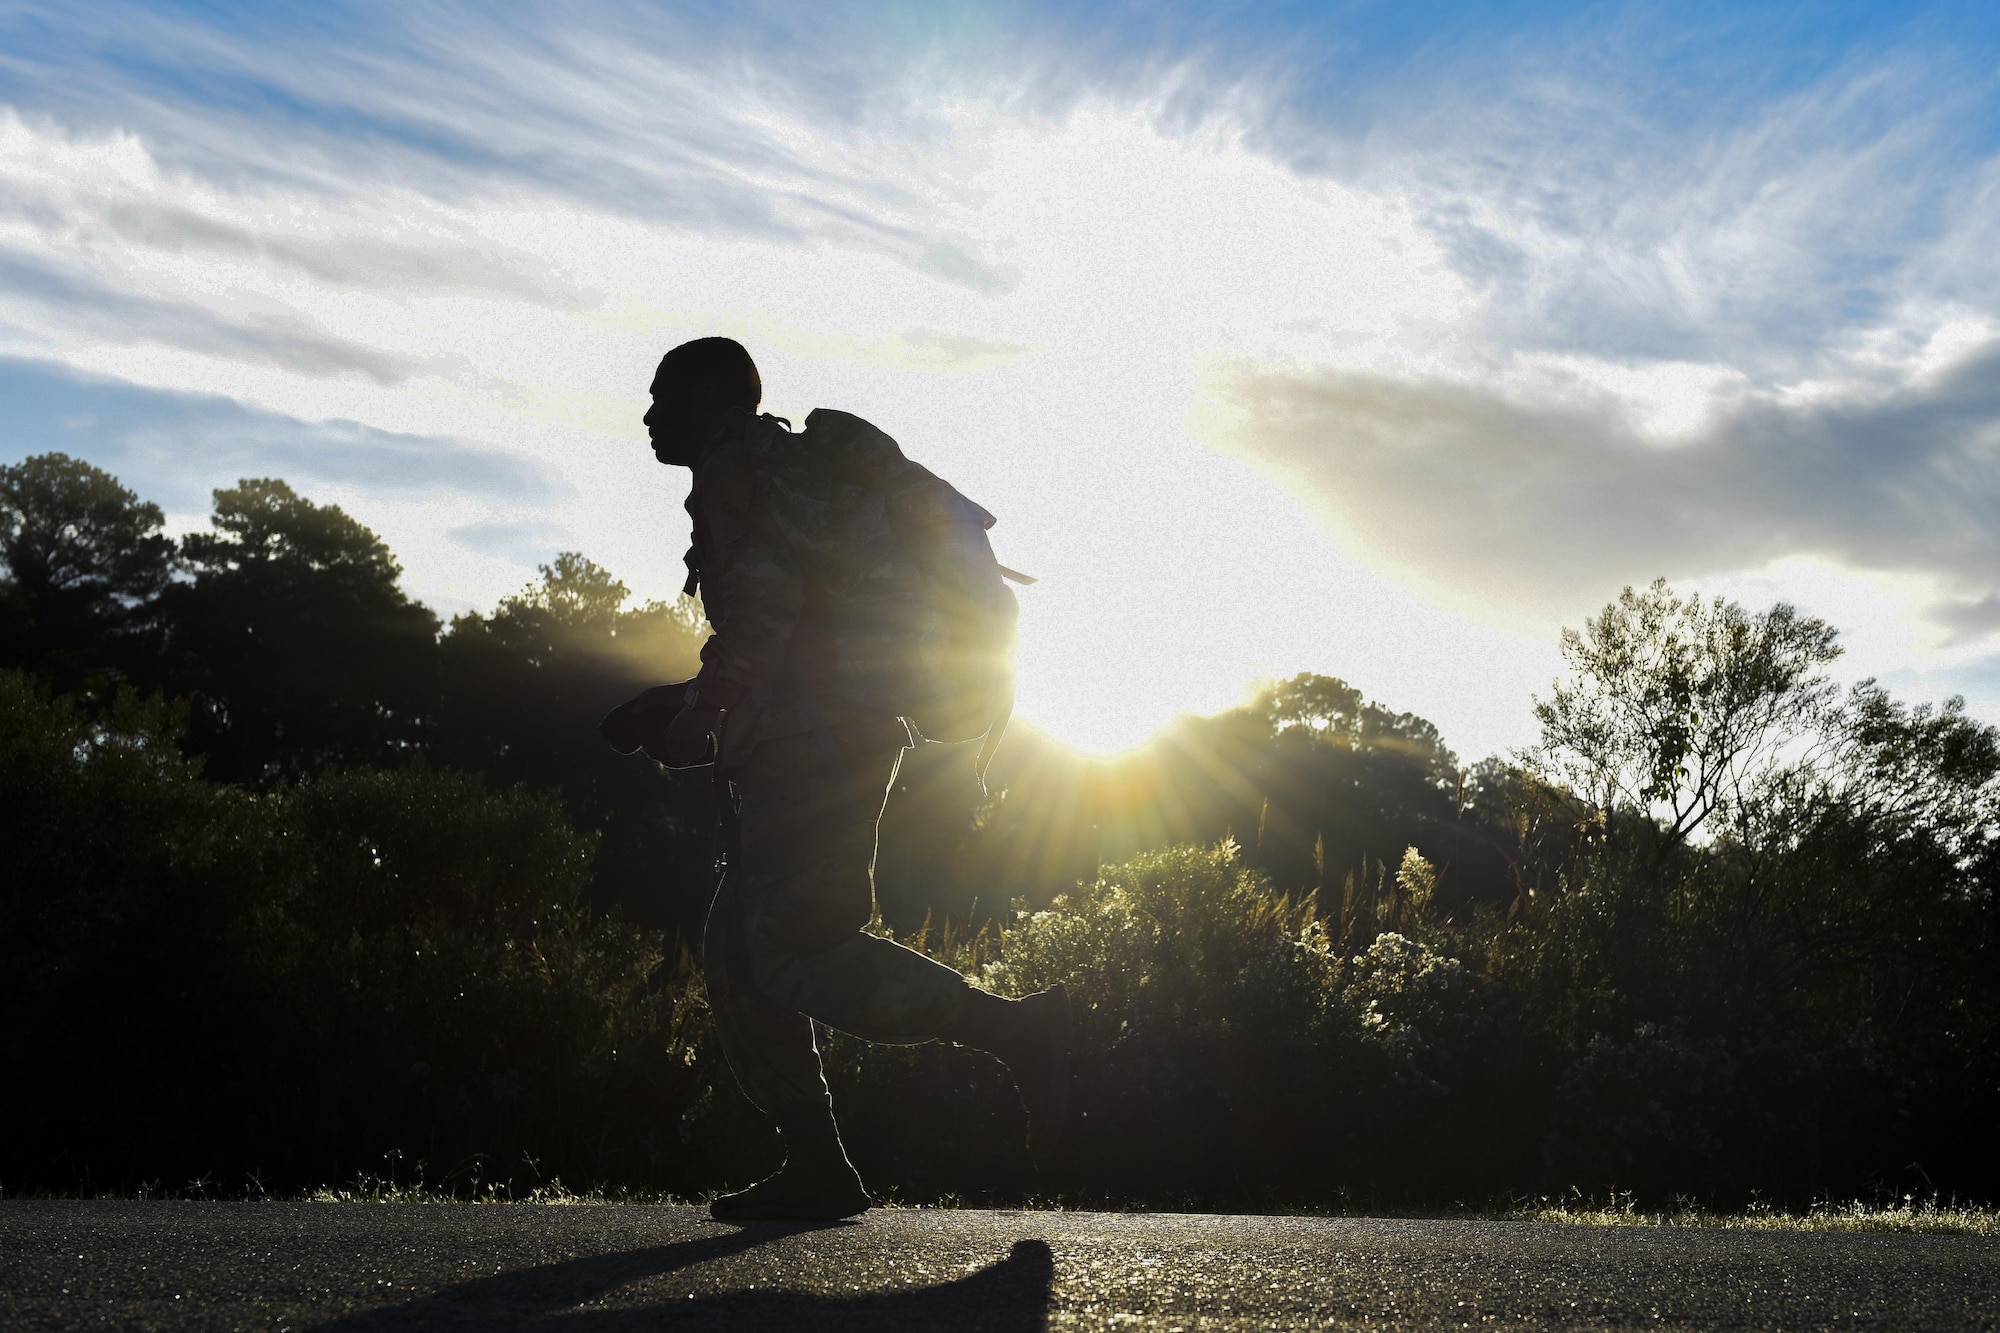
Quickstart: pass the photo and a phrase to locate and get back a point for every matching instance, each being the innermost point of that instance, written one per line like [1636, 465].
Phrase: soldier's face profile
[670, 420]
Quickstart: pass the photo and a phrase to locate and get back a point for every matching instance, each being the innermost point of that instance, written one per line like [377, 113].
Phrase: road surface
[585, 1268]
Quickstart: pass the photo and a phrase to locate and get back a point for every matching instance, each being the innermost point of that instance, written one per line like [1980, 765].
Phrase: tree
[295, 641]
[1318, 786]
[1870, 857]
[524, 690]
[1348, 784]
[529, 683]
[1323, 705]
[81, 561]
[1677, 706]
[1776, 892]
[1687, 737]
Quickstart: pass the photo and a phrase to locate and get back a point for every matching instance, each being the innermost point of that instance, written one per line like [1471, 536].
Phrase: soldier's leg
[810, 807]
[771, 1050]
[770, 1047]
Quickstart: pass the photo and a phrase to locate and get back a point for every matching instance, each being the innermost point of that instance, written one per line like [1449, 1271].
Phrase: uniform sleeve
[753, 597]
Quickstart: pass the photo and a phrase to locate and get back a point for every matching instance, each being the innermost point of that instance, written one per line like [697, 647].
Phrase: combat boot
[816, 1184]
[1032, 1038]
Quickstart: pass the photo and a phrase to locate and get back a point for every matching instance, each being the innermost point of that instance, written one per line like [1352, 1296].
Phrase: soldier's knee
[807, 913]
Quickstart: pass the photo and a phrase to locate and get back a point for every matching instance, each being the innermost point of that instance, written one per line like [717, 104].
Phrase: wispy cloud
[59, 302]
[176, 447]
[632, 109]
[522, 541]
[1525, 301]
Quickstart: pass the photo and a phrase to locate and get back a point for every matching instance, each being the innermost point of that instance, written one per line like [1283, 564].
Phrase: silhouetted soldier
[819, 556]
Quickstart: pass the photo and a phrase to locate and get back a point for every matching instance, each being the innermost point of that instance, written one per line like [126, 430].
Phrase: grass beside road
[1909, 1214]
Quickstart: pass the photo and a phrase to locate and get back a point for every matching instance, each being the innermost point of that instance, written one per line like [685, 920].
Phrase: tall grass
[1928, 1216]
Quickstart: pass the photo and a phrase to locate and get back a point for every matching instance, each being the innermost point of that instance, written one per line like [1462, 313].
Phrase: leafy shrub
[1644, 1114]
[125, 888]
[368, 967]
[1752, 948]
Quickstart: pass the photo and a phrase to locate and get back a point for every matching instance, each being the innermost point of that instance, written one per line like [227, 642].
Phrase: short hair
[721, 364]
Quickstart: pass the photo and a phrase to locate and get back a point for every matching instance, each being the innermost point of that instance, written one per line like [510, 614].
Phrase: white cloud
[1502, 360]
[1529, 510]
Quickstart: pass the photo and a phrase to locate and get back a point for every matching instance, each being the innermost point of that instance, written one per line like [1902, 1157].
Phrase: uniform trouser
[784, 943]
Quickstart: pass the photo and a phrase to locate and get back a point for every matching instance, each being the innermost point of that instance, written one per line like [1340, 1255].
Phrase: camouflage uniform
[806, 767]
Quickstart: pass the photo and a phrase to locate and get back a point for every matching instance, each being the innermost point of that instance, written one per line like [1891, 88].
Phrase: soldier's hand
[690, 739]
[641, 722]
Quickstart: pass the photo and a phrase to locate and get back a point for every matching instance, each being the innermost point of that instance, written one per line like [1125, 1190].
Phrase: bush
[1797, 999]
[1227, 1054]
[126, 989]
[298, 988]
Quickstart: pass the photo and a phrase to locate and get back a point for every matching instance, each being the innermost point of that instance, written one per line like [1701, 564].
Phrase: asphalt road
[595, 1267]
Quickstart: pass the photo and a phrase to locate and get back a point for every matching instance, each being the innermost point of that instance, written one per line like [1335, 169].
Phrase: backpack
[921, 619]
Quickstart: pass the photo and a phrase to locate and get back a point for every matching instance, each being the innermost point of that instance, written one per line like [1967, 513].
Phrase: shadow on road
[1011, 1296]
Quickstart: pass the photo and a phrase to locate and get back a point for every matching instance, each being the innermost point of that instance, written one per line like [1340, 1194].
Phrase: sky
[1380, 340]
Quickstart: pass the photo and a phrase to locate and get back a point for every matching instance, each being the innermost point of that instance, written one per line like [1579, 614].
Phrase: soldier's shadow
[1010, 1296]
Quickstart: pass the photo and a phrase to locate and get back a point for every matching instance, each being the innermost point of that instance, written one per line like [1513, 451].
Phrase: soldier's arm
[753, 599]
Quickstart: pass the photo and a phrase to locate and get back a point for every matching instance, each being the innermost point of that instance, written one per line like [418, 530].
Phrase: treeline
[299, 885]
[284, 639]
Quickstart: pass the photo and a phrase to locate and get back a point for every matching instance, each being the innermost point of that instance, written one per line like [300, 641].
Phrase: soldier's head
[696, 381]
